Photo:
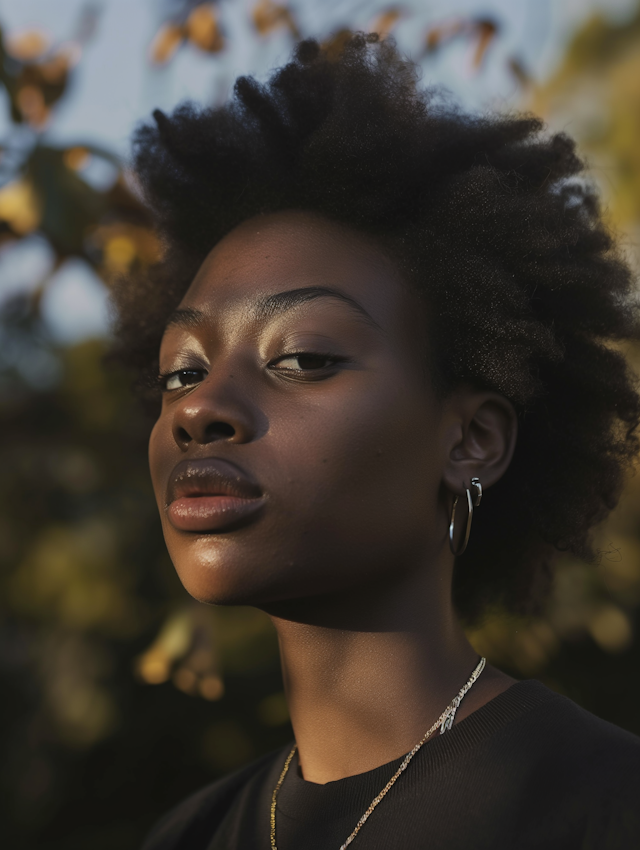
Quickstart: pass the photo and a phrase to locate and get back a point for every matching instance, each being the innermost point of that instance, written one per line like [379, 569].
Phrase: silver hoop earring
[471, 503]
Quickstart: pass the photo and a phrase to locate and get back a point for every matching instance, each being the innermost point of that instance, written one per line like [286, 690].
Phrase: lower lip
[211, 513]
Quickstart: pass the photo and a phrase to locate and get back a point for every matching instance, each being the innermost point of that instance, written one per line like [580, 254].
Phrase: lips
[210, 494]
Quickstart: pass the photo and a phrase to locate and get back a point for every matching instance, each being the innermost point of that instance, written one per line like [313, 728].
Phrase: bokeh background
[118, 694]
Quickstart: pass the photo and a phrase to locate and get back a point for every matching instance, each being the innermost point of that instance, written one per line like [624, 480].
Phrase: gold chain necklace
[445, 722]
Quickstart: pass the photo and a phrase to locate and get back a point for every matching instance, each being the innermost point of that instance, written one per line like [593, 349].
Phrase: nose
[216, 409]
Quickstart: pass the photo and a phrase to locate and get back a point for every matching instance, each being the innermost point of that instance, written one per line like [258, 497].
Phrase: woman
[383, 333]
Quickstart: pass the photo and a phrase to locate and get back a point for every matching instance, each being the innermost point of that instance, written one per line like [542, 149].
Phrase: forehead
[291, 250]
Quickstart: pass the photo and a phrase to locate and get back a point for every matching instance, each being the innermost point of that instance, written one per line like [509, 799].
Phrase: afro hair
[494, 225]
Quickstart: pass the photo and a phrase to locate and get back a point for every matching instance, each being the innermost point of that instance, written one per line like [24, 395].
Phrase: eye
[180, 379]
[305, 362]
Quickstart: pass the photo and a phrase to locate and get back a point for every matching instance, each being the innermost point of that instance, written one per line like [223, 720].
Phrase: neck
[367, 674]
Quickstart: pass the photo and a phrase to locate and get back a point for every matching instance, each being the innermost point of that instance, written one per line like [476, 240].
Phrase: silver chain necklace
[445, 722]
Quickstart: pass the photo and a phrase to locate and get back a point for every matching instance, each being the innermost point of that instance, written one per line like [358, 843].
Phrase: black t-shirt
[530, 769]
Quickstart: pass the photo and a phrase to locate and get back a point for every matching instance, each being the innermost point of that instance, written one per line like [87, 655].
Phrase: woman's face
[297, 453]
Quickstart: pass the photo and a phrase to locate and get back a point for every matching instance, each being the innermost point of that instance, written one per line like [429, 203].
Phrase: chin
[215, 586]
[218, 580]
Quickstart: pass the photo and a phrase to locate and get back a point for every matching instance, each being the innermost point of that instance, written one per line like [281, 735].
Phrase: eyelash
[163, 379]
[332, 359]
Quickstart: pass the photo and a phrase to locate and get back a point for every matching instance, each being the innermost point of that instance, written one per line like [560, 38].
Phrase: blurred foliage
[121, 695]
[199, 26]
[481, 31]
[598, 85]
[586, 643]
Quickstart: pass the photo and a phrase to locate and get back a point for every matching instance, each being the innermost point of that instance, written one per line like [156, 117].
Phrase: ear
[480, 430]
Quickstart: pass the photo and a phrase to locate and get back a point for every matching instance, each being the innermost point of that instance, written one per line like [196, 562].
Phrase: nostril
[184, 436]
[220, 431]
[212, 432]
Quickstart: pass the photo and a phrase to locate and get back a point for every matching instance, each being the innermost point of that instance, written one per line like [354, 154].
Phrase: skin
[359, 461]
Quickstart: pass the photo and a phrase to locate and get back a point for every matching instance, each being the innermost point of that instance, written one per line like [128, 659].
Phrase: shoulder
[554, 729]
[574, 764]
[551, 773]
[193, 821]
[562, 727]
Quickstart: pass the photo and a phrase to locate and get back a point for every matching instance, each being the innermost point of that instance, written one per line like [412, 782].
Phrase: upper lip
[210, 477]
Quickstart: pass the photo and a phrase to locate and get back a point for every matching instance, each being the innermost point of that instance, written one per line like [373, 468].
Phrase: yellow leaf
[119, 253]
[486, 30]
[268, 16]
[20, 207]
[172, 643]
[211, 687]
[75, 158]
[154, 666]
[443, 33]
[202, 29]
[610, 628]
[55, 70]
[168, 39]
[385, 22]
[123, 244]
[28, 45]
[334, 45]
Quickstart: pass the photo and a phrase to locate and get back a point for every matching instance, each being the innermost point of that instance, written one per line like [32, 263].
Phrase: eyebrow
[280, 302]
[292, 298]
[186, 317]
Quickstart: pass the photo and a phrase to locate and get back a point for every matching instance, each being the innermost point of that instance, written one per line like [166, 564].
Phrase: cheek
[362, 476]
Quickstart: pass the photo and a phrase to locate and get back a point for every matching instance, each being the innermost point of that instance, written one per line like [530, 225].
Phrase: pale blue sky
[116, 86]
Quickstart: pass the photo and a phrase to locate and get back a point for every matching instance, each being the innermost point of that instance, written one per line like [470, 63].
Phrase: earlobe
[482, 442]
